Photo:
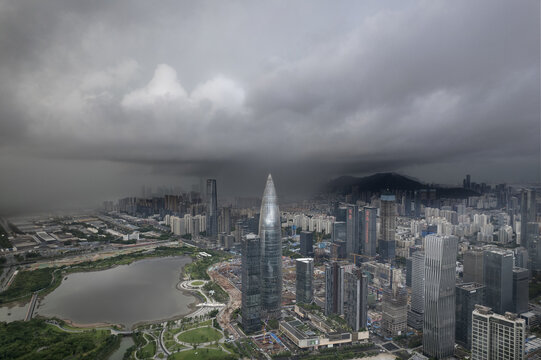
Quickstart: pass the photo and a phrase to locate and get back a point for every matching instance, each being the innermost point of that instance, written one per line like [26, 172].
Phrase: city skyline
[139, 218]
[286, 279]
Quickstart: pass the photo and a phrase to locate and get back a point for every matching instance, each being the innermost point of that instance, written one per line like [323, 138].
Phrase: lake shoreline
[191, 306]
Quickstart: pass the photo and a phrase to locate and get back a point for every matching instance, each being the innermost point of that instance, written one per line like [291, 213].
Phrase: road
[7, 277]
[31, 307]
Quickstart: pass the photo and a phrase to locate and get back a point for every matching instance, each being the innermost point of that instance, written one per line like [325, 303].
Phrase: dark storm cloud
[135, 93]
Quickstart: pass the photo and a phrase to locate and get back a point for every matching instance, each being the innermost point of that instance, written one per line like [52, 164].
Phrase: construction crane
[355, 256]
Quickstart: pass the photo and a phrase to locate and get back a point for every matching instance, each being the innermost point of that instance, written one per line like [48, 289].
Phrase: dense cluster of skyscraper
[479, 311]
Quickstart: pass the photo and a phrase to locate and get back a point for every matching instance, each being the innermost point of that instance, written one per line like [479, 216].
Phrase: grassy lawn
[37, 340]
[173, 346]
[25, 283]
[197, 283]
[200, 335]
[169, 334]
[219, 294]
[169, 341]
[197, 324]
[201, 354]
[198, 269]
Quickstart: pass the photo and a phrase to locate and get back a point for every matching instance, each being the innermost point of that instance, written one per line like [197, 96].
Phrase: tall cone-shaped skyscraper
[271, 253]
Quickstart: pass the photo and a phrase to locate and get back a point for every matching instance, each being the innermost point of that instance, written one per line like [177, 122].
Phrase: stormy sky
[98, 98]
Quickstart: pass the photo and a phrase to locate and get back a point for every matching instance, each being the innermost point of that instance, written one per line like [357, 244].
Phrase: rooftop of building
[300, 329]
[532, 344]
[485, 310]
[470, 286]
[46, 237]
[502, 252]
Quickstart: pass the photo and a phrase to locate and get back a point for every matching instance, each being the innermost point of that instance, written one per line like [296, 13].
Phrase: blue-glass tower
[271, 253]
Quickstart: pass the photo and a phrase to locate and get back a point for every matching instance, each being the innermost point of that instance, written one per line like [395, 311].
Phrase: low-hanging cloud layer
[97, 99]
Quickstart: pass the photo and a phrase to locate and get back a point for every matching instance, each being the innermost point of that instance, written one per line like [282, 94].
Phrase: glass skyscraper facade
[356, 299]
[417, 309]
[251, 283]
[521, 277]
[334, 287]
[439, 319]
[387, 243]
[498, 279]
[307, 244]
[303, 280]
[368, 231]
[352, 232]
[467, 296]
[271, 253]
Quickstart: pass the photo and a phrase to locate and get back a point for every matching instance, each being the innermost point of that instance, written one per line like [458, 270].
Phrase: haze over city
[99, 99]
[307, 180]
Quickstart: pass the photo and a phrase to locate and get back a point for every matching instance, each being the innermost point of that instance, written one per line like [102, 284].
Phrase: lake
[143, 291]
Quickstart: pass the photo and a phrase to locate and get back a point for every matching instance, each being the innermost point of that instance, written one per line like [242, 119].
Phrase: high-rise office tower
[307, 244]
[417, 308]
[497, 337]
[303, 281]
[368, 231]
[439, 319]
[409, 269]
[387, 242]
[339, 213]
[338, 231]
[356, 299]
[528, 213]
[533, 243]
[330, 284]
[521, 257]
[271, 253]
[212, 209]
[251, 284]
[334, 288]
[229, 241]
[225, 220]
[498, 279]
[394, 311]
[521, 277]
[352, 230]
[467, 296]
[473, 266]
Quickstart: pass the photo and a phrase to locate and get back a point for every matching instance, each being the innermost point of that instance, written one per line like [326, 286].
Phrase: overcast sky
[98, 98]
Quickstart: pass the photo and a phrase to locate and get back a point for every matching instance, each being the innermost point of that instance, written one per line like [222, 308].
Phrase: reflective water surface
[142, 291]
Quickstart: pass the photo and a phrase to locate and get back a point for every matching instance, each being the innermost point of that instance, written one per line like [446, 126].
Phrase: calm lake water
[142, 291]
[13, 313]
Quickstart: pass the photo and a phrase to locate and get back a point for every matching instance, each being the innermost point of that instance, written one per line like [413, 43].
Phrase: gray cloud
[131, 93]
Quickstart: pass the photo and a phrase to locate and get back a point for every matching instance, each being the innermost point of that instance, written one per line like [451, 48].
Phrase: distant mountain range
[389, 181]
